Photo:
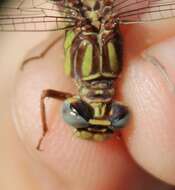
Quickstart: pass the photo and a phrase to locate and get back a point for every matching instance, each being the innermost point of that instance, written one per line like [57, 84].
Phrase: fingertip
[149, 136]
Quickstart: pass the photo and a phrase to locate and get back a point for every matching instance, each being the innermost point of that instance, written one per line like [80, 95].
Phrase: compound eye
[77, 114]
[119, 116]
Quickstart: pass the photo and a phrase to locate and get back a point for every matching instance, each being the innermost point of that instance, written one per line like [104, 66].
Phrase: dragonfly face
[96, 120]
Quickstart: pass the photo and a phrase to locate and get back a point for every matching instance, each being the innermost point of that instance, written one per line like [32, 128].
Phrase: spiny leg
[49, 93]
[43, 53]
[161, 68]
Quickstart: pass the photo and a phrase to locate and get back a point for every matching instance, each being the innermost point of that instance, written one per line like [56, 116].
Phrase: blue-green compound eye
[77, 114]
[119, 116]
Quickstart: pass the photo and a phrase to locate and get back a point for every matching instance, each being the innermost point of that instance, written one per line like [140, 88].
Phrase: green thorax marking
[70, 35]
[113, 58]
[87, 58]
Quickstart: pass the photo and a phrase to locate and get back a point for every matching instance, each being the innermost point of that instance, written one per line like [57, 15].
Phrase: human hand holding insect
[111, 151]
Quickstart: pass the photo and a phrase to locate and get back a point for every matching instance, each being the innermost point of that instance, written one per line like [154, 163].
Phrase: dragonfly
[93, 54]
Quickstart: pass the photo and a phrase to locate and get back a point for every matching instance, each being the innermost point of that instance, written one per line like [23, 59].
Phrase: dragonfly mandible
[93, 54]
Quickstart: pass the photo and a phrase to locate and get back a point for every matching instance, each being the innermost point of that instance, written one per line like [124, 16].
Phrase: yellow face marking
[99, 109]
[86, 135]
[100, 137]
[99, 122]
[91, 136]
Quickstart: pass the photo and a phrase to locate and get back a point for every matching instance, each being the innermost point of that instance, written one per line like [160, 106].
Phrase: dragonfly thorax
[93, 55]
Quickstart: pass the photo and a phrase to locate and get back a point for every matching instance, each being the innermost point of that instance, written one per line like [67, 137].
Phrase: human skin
[145, 154]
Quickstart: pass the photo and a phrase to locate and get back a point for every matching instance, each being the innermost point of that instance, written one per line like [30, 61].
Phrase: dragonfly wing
[138, 11]
[35, 15]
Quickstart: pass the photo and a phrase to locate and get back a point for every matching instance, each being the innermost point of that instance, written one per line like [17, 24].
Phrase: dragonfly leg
[49, 93]
[42, 54]
[161, 68]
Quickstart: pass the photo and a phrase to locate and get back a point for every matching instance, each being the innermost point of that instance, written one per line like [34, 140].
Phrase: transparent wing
[137, 11]
[35, 15]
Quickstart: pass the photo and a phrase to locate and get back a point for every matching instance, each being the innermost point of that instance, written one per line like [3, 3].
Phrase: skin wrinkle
[157, 63]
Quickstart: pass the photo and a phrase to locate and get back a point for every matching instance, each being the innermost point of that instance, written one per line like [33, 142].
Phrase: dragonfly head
[96, 118]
